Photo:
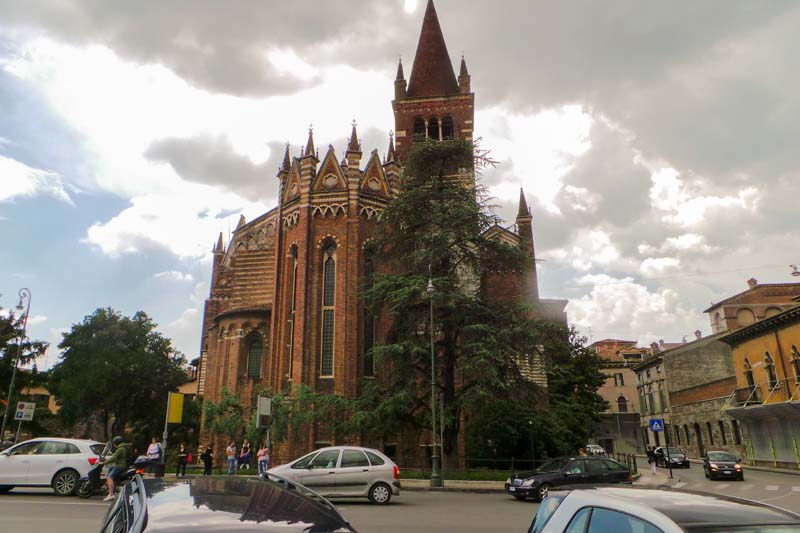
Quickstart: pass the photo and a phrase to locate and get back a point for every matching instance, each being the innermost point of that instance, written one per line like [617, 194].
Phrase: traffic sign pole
[669, 461]
[16, 437]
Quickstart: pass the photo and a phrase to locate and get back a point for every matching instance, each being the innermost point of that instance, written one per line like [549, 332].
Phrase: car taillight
[396, 472]
[92, 461]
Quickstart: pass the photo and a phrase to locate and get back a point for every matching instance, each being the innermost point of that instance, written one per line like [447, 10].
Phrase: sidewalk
[788, 471]
[649, 480]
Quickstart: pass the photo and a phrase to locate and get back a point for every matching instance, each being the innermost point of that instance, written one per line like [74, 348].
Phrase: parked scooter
[94, 482]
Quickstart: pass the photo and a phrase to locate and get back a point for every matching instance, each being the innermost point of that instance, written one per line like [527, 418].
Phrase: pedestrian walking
[230, 453]
[183, 457]
[651, 460]
[208, 460]
[263, 459]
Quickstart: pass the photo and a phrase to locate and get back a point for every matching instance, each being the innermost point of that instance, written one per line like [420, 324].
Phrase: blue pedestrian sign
[656, 424]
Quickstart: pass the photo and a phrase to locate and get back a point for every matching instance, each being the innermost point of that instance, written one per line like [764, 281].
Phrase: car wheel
[5, 488]
[65, 483]
[544, 490]
[380, 494]
[520, 497]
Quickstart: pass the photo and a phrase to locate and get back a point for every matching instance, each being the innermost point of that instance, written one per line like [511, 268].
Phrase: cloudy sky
[656, 142]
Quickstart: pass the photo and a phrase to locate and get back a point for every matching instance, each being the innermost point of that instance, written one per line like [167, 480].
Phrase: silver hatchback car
[345, 472]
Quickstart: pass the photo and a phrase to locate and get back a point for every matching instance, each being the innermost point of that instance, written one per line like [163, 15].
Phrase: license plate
[727, 472]
[512, 489]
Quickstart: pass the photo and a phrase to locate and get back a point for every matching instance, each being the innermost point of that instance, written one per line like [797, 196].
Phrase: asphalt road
[38, 510]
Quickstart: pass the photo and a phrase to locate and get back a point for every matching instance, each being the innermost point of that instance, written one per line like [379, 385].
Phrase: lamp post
[24, 295]
[436, 476]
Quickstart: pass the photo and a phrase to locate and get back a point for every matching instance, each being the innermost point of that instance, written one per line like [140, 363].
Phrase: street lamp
[436, 476]
[24, 294]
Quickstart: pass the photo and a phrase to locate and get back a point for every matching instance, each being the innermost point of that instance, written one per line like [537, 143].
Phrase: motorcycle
[94, 482]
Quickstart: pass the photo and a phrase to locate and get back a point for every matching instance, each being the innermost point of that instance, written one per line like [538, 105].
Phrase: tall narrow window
[291, 309]
[447, 129]
[796, 363]
[686, 432]
[737, 436]
[618, 380]
[710, 433]
[722, 433]
[622, 404]
[328, 311]
[419, 129]
[677, 434]
[748, 375]
[433, 129]
[255, 351]
[769, 367]
[369, 321]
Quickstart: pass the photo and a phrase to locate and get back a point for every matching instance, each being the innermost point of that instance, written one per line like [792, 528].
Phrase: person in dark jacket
[208, 460]
[182, 458]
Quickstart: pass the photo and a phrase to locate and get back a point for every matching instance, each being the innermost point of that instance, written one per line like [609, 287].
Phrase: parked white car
[594, 449]
[345, 472]
[48, 462]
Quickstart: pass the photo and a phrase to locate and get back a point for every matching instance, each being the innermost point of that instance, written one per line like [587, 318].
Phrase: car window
[376, 460]
[352, 458]
[579, 521]
[613, 465]
[25, 449]
[71, 448]
[546, 510]
[594, 467]
[721, 456]
[52, 448]
[303, 461]
[96, 448]
[576, 467]
[605, 520]
[553, 465]
[326, 459]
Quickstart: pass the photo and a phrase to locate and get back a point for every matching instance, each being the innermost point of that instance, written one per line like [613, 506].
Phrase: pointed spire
[463, 71]
[310, 144]
[400, 76]
[523, 205]
[287, 162]
[354, 145]
[391, 157]
[219, 245]
[241, 223]
[432, 73]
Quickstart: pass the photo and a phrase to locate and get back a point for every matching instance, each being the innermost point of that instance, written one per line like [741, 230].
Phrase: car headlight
[713, 466]
[528, 482]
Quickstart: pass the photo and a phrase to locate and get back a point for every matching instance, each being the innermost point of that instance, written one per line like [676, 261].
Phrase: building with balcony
[758, 302]
[766, 401]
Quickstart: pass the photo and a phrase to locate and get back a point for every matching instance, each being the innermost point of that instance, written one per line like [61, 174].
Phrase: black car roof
[237, 504]
[692, 509]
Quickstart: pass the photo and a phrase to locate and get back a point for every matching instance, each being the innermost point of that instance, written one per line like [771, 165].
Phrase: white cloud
[656, 266]
[174, 275]
[35, 320]
[18, 179]
[183, 330]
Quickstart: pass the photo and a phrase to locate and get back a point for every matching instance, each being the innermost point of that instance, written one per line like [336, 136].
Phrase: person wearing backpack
[117, 463]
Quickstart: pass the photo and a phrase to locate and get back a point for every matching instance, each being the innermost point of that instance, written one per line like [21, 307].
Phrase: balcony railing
[778, 391]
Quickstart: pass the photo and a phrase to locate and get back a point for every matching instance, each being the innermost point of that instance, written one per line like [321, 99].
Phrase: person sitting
[117, 463]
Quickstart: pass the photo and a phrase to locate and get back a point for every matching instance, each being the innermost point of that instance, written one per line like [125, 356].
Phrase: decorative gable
[373, 180]
[330, 176]
[292, 182]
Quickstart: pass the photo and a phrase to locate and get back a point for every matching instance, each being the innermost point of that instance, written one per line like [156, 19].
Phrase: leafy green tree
[225, 417]
[11, 344]
[117, 370]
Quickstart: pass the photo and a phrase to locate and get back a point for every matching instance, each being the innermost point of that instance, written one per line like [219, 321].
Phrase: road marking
[50, 502]
[772, 487]
[679, 485]
[795, 489]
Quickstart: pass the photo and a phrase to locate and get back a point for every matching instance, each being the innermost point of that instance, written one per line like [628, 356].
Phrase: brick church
[285, 302]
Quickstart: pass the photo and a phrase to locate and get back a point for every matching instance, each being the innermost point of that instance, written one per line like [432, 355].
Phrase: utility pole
[24, 294]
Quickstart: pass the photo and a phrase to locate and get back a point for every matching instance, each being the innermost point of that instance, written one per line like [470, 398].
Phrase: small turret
[399, 82]
[464, 78]
[219, 254]
[525, 232]
[241, 222]
[310, 151]
[353, 154]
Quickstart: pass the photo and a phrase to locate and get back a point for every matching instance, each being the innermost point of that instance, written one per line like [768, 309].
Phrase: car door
[45, 460]
[320, 474]
[614, 472]
[576, 472]
[15, 462]
[353, 474]
[595, 472]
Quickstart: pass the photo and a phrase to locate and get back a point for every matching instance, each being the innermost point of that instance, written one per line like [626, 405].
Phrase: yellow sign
[175, 408]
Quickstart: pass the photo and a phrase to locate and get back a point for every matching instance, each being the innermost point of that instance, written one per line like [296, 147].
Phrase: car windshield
[721, 456]
[672, 451]
[546, 510]
[553, 465]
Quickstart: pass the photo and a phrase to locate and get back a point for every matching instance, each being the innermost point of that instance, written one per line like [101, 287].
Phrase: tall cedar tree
[436, 228]
[117, 370]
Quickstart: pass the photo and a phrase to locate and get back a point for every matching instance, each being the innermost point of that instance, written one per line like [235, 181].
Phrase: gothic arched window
[291, 309]
[255, 352]
[328, 310]
[433, 129]
[769, 367]
[447, 129]
[419, 129]
[369, 319]
[748, 374]
[622, 404]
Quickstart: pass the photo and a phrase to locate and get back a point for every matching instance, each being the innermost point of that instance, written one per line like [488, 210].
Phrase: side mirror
[309, 466]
